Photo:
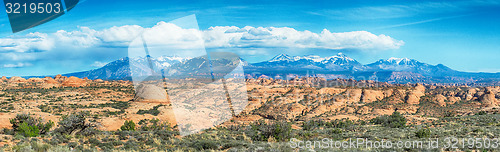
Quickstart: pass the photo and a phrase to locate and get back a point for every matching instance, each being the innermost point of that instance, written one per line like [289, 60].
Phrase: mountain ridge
[394, 70]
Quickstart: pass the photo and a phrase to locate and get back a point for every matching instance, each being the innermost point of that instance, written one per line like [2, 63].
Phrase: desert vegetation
[96, 115]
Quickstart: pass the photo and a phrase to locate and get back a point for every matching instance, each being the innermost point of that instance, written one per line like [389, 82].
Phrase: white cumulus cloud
[17, 65]
[230, 36]
[215, 37]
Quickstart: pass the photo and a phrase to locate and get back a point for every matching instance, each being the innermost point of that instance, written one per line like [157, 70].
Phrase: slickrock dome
[50, 80]
[488, 99]
[35, 80]
[16, 79]
[414, 95]
[440, 100]
[4, 78]
[60, 78]
[150, 92]
[73, 82]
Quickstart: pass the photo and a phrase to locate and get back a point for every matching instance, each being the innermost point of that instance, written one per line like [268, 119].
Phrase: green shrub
[262, 131]
[153, 125]
[28, 131]
[423, 133]
[481, 113]
[154, 111]
[205, 145]
[38, 145]
[344, 123]
[162, 130]
[43, 128]
[396, 120]
[128, 126]
[313, 124]
[131, 145]
[76, 124]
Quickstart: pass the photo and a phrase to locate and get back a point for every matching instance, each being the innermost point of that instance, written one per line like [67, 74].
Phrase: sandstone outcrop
[440, 100]
[60, 78]
[364, 110]
[397, 96]
[35, 80]
[73, 82]
[372, 95]
[16, 80]
[50, 80]
[150, 93]
[488, 99]
[414, 95]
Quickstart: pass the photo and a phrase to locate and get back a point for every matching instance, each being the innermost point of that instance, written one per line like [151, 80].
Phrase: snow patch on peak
[340, 54]
[172, 58]
[398, 60]
[281, 57]
[313, 58]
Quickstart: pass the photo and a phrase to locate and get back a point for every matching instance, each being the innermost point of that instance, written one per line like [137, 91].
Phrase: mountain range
[392, 70]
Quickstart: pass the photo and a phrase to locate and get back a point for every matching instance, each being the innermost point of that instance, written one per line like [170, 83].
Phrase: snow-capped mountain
[282, 57]
[162, 61]
[336, 63]
[392, 63]
[314, 58]
[120, 68]
[115, 70]
[168, 65]
[395, 70]
[408, 65]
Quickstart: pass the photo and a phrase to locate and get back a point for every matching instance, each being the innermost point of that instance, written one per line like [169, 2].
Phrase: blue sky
[463, 35]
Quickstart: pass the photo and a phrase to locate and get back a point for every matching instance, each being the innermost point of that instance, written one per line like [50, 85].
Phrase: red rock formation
[16, 80]
[35, 80]
[50, 80]
[440, 100]
[60, 78]
[73, 82]
[414, 95]
[4, 78]
[488, 99]
[372, 95]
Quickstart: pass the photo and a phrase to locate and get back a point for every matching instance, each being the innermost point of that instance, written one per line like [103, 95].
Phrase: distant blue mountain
[120, 69]
[394, 70]
[408, 65]
[339, 62]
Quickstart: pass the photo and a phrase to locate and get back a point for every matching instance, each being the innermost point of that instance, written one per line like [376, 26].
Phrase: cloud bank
[18, 65]
[214, 37]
